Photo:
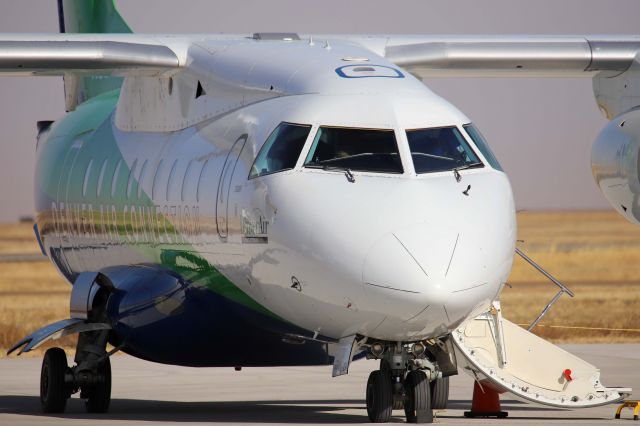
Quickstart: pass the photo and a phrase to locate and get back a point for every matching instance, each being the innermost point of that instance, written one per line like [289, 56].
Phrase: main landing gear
[91, 376]
[408, 379]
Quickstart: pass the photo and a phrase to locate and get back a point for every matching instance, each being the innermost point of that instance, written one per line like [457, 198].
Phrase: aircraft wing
[497, 56]
[60, 54]
[75, 55]
[424, 56]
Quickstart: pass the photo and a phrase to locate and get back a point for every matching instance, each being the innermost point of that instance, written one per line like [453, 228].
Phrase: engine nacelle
[615, 164]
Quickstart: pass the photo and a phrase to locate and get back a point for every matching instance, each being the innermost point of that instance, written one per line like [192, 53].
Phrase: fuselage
[396, 256]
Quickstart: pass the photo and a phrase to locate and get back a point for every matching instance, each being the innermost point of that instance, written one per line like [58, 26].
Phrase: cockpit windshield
[367, 150]
[482, 145]
[440, 149]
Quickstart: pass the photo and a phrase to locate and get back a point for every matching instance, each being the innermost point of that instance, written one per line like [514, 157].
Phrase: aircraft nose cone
[430, 273]
[411, 259]
[410, 266]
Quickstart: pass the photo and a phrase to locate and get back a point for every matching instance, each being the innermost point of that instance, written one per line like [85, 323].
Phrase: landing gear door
[528, 366]
[224, 186]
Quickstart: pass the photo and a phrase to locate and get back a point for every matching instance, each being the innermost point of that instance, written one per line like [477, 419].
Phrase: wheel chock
[424, 416]
[629, 404]
[485, 403]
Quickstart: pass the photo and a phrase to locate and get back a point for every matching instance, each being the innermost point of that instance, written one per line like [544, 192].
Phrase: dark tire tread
[379, 397]
[99, 395]
[53, 390]
[418, 395]
[439, 393]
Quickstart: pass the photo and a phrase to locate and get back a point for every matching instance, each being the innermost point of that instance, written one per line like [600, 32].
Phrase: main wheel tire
[99, 394]
[53, 390]
[417, 403]
[379, 397]
[439, 393]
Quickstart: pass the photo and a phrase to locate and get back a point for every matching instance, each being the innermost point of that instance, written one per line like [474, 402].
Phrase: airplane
[298, 199]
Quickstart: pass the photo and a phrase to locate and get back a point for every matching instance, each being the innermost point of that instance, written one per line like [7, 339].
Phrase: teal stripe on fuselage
[102, 221]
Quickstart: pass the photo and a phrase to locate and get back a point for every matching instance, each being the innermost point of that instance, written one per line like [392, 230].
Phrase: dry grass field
[596, 254]
[32, 294]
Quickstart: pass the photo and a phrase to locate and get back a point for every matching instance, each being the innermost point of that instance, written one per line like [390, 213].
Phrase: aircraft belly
[163, 316]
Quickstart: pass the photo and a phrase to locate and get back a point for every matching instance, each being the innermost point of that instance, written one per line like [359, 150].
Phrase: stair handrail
[563, 288]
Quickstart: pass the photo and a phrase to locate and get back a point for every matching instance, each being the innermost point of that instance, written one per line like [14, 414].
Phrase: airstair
[505, 357]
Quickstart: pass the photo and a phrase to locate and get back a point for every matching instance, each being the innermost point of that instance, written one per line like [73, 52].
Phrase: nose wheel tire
[379, 397]
[98, 395]
[439, 393]
[53, 389]
[417, 404]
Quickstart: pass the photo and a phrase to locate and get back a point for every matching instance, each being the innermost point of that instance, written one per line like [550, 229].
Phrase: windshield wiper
[456, 170]
[347, 171]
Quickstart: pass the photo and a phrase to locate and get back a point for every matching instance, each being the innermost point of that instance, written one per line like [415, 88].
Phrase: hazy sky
[541, 129]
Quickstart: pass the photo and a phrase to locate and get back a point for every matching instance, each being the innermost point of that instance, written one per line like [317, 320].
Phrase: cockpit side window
[367, 150]
[281, 150]
[482, 145]
[440, 149]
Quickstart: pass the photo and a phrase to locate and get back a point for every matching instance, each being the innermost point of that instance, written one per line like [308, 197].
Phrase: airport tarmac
[145, 393]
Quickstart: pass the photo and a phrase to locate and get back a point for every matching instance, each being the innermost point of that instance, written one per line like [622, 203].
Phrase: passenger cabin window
[202, 170]
[131, 180]
[141, 178]
[87, 173]
[281, 150]
[185, 180]
[101, 177]
[114, 180]
[482, 145]
[367, 150]
[155, 187]
[440, 149]
[170, 180]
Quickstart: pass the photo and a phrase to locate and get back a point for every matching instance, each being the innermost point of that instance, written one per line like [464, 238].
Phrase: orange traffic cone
[486, 403]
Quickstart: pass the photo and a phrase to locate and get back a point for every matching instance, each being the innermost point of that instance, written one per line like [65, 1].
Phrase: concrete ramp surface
[500, 354]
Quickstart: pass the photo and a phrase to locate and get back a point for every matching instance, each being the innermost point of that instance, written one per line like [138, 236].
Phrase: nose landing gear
[409, 378]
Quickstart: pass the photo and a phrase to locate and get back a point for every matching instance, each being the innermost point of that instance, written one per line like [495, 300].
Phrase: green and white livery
[286, 199]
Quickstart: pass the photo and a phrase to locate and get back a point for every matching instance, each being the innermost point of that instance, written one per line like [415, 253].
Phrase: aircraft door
[508, 358]
[224, 186]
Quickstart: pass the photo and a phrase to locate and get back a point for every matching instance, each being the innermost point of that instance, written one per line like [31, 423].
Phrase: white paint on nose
[432, 247]
[432, 273]
[404, 271]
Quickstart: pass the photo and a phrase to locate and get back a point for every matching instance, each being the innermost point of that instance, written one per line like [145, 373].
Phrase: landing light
[417, 349]
[377, 349]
